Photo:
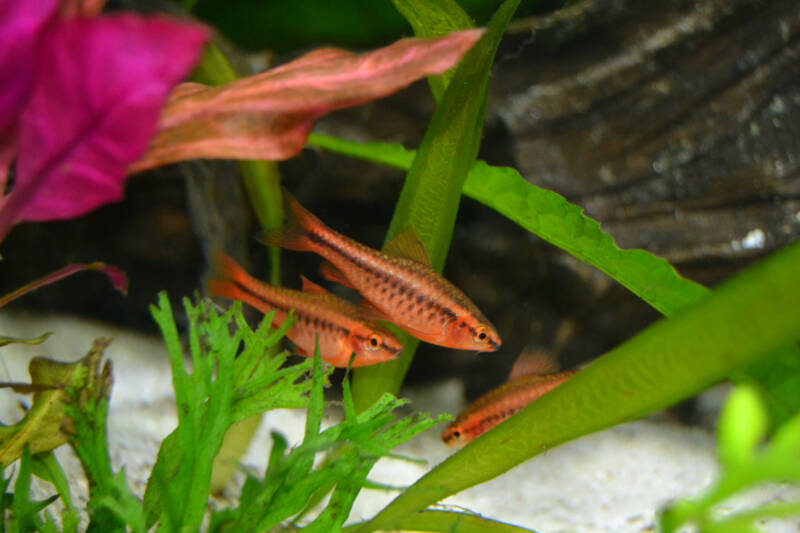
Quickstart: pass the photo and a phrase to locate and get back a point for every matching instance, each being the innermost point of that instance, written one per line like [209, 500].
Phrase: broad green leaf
[451, 522]
[745, 464]
[744, 320]
[742, 426]
[549, 216]
[46, 425]
[434, 19]
[432, 190]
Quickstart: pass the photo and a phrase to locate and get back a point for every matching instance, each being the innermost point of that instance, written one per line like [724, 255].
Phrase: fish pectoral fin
[331, 273]
[533, 362]
[312, 288]
[407, 244]
[368, 310]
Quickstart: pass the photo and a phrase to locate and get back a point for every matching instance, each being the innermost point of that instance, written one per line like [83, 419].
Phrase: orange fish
[398, 285]
[534, 374]
[337, 323]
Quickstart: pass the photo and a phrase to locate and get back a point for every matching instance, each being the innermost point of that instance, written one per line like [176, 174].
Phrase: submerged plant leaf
[115, 275]
[16, 340]
[550, 216]
[745, 464]
[46, 425]
[434, 19]
[96, 95]
[234, 377]
[431, 193]
[291, 480]
[269, 115]
[745, 319]
[451, 522]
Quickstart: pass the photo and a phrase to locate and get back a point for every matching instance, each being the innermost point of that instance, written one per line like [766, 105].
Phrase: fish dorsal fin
[312, 288]
[533, 362]
[407, 244]
[331, 273]
[367, 310]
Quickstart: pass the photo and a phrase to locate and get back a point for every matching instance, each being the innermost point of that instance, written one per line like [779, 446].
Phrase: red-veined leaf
[269, 115]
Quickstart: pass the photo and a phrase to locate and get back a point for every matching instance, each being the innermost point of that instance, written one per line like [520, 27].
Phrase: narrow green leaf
[260, 178]
[434, 19]
[16, 340]
[745, 319]
[432, 190]
[550, 216]
[46, 467]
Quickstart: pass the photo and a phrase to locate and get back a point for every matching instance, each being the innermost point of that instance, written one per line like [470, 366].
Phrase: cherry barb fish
[341, 330]
[532, 377]
[398, 284]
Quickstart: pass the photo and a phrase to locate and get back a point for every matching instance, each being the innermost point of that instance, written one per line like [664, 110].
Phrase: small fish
[340, 328]
[398, 285]
[534, 374]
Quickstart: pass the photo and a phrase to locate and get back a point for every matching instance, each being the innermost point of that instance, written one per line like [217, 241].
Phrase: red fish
[398, 285]
[531, 378]
[337, 323]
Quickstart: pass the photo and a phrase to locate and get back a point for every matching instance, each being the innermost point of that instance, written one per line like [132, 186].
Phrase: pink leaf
[269, 115]
[117, 277]
[21, 25]
[99, 87]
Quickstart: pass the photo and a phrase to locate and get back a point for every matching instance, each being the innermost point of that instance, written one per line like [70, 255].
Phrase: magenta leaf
[269, 115]
[99, 86]
[21, 25]
[117, 277]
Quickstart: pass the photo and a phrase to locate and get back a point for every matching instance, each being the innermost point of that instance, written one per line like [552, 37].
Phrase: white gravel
[611, 481]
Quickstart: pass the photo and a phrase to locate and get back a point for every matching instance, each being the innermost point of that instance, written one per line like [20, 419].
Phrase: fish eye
[374, 342]
[456, 434]
[481, 335]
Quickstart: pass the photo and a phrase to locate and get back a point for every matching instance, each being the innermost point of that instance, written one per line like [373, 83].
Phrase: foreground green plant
[234, 376]
[745, 464]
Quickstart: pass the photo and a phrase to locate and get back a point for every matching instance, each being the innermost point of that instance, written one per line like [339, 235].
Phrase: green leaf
[432, 190]
[46, 467]
[15, 340]
[549, 216]
[746, 319]
[434, 19]
[743, 468]
[234, 376]
[46, 425]
[260, 178]
[24, 509]
[451, 522]
[742, 427]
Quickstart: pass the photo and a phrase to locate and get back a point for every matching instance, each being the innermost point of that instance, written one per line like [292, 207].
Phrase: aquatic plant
[233, 377]
[746, 329]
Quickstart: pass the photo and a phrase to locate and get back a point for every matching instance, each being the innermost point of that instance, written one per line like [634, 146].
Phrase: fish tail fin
[294, 235]
[234, 283]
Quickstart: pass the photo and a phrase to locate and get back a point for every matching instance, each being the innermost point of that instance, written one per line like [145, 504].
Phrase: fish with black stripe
[398, 284]
[337, 323]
